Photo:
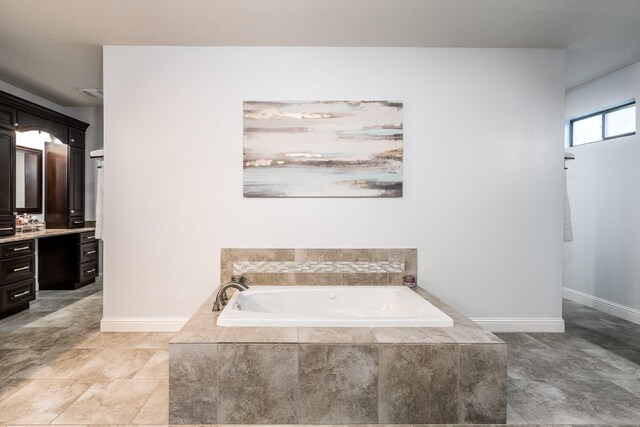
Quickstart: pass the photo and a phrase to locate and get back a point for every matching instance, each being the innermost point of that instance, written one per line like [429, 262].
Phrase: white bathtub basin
[373, 306]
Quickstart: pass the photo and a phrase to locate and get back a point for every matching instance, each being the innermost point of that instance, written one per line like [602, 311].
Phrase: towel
[99, 202]
[568, 230]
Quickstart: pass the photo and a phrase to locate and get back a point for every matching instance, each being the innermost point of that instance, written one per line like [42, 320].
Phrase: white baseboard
[601, 304]
[142, 324]
[521, 324]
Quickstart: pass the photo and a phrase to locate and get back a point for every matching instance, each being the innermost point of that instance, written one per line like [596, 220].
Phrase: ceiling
[54, 47]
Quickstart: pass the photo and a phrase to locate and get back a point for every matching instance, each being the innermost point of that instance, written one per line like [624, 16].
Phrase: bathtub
[348, 306]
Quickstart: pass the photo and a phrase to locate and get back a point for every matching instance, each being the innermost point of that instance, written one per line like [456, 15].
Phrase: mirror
[30, 170]
[28, 180]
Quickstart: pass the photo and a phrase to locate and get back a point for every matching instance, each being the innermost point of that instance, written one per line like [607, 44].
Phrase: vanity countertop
[49, 232]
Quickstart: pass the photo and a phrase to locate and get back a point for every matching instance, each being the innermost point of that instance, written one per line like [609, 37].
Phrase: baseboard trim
[521, 324]
[601, 304]
[142, 324]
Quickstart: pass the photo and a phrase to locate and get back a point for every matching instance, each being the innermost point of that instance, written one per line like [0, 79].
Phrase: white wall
[604, 189]
[483, 194]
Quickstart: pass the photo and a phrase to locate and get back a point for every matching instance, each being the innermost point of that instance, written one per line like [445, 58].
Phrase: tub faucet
[221, 297]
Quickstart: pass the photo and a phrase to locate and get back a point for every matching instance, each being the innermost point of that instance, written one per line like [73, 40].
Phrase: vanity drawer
[75, 222]
[18, 268]
[17, 294]
[88, 252]
[8, 228]
[87, 271]
[24, 247]
[87, 237]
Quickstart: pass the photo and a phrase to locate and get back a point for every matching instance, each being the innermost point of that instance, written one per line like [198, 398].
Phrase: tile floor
[57, 368]
[588, 375]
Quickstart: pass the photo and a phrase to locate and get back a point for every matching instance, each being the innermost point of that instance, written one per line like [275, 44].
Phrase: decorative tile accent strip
[318, 267]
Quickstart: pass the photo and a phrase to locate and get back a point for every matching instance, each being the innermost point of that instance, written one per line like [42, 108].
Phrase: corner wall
[483, 175]
[601, 264]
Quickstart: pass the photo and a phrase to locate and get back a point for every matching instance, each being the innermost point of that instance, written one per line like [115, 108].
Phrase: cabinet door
[7, 182]
[76, 182]
[7, 117]
[76, 138]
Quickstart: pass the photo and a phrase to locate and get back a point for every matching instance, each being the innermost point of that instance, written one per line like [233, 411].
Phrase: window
[603, 125]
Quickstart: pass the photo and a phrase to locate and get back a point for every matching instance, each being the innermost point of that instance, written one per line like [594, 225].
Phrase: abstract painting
[323, 149]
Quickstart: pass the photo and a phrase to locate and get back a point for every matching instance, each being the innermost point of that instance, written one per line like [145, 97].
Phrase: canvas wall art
[323, 149]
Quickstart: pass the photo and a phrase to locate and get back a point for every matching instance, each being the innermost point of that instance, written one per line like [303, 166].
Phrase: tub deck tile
[331, 335]
[338, 384]
[418, 384]
[257, 384]
[483, 384]
[193, 377]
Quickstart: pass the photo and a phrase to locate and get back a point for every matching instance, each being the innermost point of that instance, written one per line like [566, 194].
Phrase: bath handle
[21, 294]
[15, 270]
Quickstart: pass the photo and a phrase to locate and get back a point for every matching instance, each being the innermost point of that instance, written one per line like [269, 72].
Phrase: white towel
[99, 220]
[568, 230]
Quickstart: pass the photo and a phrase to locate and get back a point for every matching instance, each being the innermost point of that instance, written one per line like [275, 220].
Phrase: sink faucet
[221, 297]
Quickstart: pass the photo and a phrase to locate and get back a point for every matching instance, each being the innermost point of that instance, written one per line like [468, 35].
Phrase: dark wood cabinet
[64, 163]
[64, 186]
[7, 182]
[28, 120]
[8, 116]
[68, 262]
[75, 177]
[76, 137]
[17, 276]
[16, 296]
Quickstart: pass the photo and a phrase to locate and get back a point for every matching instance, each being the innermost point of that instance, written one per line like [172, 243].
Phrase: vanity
[42, 174]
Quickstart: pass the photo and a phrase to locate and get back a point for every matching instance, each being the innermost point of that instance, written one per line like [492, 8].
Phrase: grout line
[459, 409]
[145, 402]
[74, 401]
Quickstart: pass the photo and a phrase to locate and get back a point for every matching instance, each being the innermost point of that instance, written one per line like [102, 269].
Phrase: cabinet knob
[73, 140]
[15, 124]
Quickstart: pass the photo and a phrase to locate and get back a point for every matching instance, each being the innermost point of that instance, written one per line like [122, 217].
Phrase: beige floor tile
[156, 367]
[68, 337]
[156, 410]
[112, 363]
[40, 401]
[155, 340]
[26, 337]
[82, 312]
[158, 340]
[56, 364]
[11, 361]
[109, 402]
[8, 387]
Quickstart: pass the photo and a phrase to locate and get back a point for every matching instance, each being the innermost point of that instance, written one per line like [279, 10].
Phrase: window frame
[602, 114]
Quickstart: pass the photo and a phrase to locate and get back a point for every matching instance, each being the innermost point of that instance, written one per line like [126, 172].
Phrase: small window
[603, 125]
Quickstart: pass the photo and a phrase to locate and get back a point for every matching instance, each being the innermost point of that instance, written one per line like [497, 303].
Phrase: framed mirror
[28, 180]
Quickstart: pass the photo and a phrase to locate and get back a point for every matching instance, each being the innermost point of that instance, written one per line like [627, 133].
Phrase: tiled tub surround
[318, 266]
[327, 375]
